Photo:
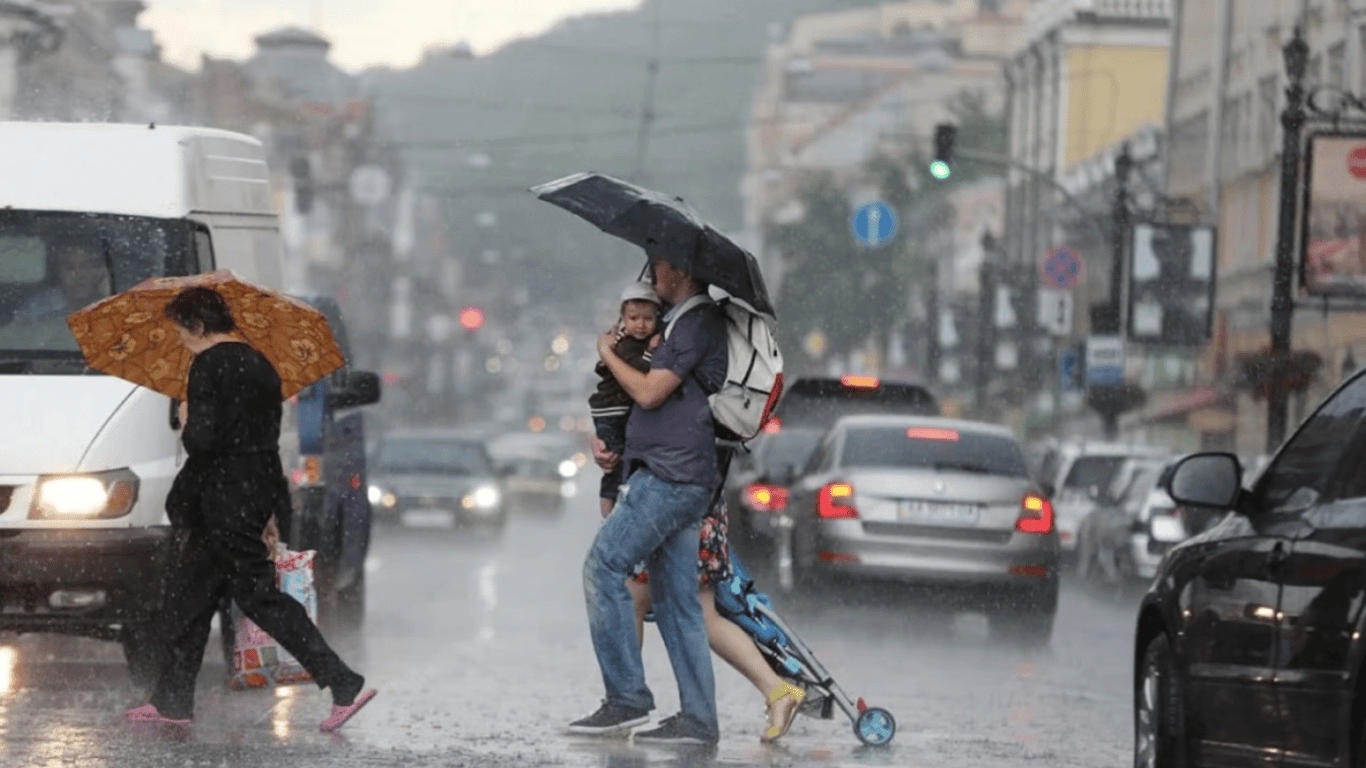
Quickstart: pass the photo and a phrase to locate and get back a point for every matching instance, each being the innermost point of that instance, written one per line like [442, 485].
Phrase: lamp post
[986, 325]
[1124, 164]
[1296, 55]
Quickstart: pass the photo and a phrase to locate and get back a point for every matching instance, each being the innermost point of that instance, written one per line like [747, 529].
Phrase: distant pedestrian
[225, 494]
[670, 472]
[609, 405]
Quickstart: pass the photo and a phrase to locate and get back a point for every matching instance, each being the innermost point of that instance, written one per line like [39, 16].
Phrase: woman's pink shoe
[147, 713]
[340, 714]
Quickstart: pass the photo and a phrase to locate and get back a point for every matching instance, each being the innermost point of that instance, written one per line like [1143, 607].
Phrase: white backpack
[754, 367]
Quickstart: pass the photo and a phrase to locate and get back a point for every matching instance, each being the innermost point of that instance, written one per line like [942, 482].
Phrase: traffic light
[303, 184]
[942, 165]
[471, 319]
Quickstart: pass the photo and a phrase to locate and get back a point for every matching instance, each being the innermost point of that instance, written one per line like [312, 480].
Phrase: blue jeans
[659, 522]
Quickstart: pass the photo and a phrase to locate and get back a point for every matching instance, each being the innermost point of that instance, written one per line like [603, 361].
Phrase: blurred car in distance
[1247, 644]
[1134, 523]
[436, 478]
[756, 485]
[539, 470]
[1076, 474]
[941, 503]
[818, 401]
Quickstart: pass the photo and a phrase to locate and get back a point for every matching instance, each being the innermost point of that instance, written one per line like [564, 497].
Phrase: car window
[437, 456]
[789, 447]
[1089, 471]
[1299, 476]
[948, 450]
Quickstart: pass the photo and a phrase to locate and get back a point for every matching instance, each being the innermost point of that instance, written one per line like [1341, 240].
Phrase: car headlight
[95, 496]
[568, 468]
[482, 498]
[375, 494]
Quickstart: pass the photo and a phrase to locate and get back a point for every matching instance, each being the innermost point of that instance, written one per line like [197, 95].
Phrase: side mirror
[362, 388]
[1207, 480]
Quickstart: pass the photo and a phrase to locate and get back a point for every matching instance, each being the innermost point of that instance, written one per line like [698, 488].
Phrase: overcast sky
[363, 32]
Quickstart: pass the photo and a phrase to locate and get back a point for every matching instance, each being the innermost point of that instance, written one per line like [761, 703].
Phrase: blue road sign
[1069, 369]
[874, 224]
[1062, 268]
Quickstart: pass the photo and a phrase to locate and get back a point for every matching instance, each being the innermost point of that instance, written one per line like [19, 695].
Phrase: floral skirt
[713, 555]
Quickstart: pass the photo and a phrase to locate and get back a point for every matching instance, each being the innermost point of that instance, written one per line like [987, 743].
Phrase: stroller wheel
[875, 726]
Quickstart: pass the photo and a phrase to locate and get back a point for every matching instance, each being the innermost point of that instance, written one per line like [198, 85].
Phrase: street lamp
[1296, 55]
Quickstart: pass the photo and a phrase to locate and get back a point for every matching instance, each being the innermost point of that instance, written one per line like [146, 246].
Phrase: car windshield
[947, 450]
[52, 264]
[436, 456]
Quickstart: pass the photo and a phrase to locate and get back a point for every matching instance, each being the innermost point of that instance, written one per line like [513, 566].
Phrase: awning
[1179, 405]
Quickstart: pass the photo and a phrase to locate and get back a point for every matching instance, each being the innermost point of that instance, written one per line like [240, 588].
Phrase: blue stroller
[738, 599]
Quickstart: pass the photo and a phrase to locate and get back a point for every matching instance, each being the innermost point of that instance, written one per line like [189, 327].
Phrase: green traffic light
[940, 169]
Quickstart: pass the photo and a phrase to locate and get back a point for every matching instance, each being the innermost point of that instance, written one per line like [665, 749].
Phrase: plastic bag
[257, 659]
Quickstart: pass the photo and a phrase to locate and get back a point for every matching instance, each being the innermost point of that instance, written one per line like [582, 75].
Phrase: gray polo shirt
[677, 440]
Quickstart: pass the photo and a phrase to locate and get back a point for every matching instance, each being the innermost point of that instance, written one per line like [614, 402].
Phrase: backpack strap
[690, 303]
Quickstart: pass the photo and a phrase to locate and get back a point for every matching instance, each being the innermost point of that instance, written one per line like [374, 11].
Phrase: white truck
[151, 200]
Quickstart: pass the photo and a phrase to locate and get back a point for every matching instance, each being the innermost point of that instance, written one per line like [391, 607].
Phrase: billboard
[1333, 224]
[1171, 284]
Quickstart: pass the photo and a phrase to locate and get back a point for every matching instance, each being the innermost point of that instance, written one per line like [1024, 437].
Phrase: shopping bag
[257, 659]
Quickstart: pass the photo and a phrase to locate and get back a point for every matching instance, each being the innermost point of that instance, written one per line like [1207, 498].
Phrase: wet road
[481, 653]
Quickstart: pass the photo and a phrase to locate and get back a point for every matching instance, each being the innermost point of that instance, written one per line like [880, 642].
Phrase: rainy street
[480, 651]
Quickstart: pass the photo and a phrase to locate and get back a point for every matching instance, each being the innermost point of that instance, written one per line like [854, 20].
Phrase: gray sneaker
[609, 719]
[678, 729]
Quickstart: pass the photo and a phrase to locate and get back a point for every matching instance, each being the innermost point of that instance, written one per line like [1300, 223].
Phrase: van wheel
[141, 651]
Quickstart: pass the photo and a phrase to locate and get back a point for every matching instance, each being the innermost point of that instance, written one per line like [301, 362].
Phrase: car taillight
[766, 498]
[860, 382]
[1036, 515]
[836, 500]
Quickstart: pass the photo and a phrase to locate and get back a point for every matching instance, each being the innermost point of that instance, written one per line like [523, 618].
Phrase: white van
[150, 200]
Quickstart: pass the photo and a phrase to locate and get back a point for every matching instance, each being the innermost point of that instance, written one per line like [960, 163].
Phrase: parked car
[930, 501]
[436, 477]
[1075, 475]
[1248, 644]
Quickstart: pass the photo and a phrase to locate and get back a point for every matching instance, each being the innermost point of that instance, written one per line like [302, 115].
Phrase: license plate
[936, 513]
[429, 518]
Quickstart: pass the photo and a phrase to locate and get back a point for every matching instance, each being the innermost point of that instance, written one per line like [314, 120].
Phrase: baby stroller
[740, 601]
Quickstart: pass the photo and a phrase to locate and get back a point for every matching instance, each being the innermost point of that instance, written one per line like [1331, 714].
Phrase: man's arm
[648, 390]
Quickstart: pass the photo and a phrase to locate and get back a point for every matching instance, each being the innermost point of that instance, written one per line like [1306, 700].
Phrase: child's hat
[641, 292]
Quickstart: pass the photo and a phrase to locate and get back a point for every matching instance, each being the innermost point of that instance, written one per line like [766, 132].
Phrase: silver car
[441, 478]
[931, 501]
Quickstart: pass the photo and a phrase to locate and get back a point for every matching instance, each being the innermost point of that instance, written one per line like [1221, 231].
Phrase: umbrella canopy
[664, 226]
[128, 335]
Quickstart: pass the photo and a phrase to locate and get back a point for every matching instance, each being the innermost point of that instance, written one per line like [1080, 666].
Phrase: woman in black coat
[230, 486]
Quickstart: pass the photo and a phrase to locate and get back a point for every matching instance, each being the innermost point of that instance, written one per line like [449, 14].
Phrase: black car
[819, 400]
[1248, 647]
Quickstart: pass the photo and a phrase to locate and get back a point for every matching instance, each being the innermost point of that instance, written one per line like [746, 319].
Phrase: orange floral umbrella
[128, 335]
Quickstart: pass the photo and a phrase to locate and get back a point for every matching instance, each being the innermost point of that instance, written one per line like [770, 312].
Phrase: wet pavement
[480, 650]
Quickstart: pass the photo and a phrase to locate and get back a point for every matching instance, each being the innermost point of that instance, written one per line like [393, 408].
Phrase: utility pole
[986, 318]
[1296, 55]
[1124, 164]
[647, 102]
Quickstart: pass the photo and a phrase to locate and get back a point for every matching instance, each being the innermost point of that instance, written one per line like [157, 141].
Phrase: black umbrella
[664, 226]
